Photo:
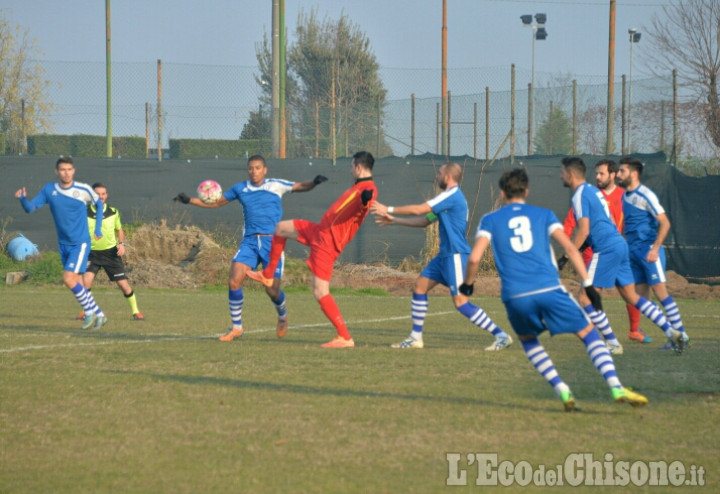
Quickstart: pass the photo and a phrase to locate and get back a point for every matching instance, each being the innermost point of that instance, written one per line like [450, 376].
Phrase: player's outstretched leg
[601, 322]
[418, 311]
[480, 319]
[539, 358]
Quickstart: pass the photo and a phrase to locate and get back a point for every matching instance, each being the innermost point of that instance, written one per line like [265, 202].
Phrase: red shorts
[322, 257]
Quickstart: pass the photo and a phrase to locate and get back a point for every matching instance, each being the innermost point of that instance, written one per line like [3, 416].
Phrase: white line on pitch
[151, 338]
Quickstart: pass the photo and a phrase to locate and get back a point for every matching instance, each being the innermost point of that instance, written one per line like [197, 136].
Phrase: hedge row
[89, 146]
[85, 145]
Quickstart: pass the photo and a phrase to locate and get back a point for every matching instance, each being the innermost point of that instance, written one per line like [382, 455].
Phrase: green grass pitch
[162, 406]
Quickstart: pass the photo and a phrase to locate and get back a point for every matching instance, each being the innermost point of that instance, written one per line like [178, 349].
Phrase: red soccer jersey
[615, 202]
[343, 218]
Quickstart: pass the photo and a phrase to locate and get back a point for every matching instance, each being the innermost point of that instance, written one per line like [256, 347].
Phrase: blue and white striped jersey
[262, 204]
[451, 209]
[520, 238]
[641, 207]
[69, 210]
[588, 202]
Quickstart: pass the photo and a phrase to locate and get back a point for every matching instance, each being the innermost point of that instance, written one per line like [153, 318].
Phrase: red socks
[332, 312]
[634, 317]
[276, 250]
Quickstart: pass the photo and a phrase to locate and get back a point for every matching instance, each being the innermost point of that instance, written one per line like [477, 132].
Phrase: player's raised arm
[309, 184]
[186, 199]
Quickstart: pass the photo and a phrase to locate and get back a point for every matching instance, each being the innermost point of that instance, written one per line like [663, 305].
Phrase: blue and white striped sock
[235, 300]
[539, 358]
[280, 305]
[601, 358]
[600, 320]
[86, 300]
[418, 311]
[672, 312]
[653, 312]
[480, 319]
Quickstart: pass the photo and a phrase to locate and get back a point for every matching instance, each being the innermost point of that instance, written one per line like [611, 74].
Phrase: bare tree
[687, 38]
[24, 108]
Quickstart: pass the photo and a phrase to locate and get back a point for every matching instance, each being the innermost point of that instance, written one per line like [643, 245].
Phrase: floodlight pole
[634, 38]
[540, 20]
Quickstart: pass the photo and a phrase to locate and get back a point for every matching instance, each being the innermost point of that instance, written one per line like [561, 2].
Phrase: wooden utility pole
[611, 81]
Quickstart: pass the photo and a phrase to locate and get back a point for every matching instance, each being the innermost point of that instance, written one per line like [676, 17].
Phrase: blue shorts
[554, 310]
[254, 250]
[74, 257]
[611, 268]
[650, 273]
[447, 270]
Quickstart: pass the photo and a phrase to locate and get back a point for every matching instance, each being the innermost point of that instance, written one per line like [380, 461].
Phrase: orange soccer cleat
[339, 342]
[258, 276]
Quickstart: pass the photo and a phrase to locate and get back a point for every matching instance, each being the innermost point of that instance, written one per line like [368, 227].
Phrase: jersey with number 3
[520, 238]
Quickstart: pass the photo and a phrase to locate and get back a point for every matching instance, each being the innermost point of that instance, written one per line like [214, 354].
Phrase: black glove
[594, 297]
[366, 196]
[182, 197]
[584, 246]
[319, 179]
[466, 289]
[562, 261]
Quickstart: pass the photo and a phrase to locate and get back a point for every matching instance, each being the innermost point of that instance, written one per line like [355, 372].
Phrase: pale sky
[403, 33]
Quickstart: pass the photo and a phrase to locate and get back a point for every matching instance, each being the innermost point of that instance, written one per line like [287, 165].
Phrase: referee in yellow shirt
[107, 252]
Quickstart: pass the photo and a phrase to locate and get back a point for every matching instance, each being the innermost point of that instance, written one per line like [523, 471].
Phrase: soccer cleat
[624, 395]
[89, 320]
[615, 349]
[500, 343]
[138, 317]
[409, 342]
[339, 342]
[258, 276]
[282, 327]
[639, 336]
[80, 316]
[232, 334]
[568, 401]
[100, 321]
[677, 341]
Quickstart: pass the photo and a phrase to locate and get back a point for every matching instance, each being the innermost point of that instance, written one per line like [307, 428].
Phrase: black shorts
[108, 260]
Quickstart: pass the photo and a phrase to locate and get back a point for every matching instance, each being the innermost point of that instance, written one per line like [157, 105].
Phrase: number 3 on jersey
[522, 240]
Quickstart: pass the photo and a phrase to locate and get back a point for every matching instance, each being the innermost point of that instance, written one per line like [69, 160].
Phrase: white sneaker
[409, 342]
[500, 343]
[615, 349]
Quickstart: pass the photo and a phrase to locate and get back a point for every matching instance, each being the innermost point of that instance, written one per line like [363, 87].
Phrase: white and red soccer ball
[209, 191]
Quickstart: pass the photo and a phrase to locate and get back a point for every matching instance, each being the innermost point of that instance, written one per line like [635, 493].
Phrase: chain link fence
[489, 110]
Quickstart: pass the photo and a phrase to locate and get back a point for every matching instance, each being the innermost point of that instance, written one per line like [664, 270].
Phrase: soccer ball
[209, 191]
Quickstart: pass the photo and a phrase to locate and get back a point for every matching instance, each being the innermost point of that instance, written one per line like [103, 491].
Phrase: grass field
[162, 406]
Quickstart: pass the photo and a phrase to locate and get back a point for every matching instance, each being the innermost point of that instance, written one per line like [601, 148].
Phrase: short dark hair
[611, 165]
[365, 159]
[514, 183]
[575, 164]
[633, 163]
[63, 159]
[98, 184]
[257, 157]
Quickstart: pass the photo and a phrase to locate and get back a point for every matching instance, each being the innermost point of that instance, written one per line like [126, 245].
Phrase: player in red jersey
[326, 240]
[605, 173]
